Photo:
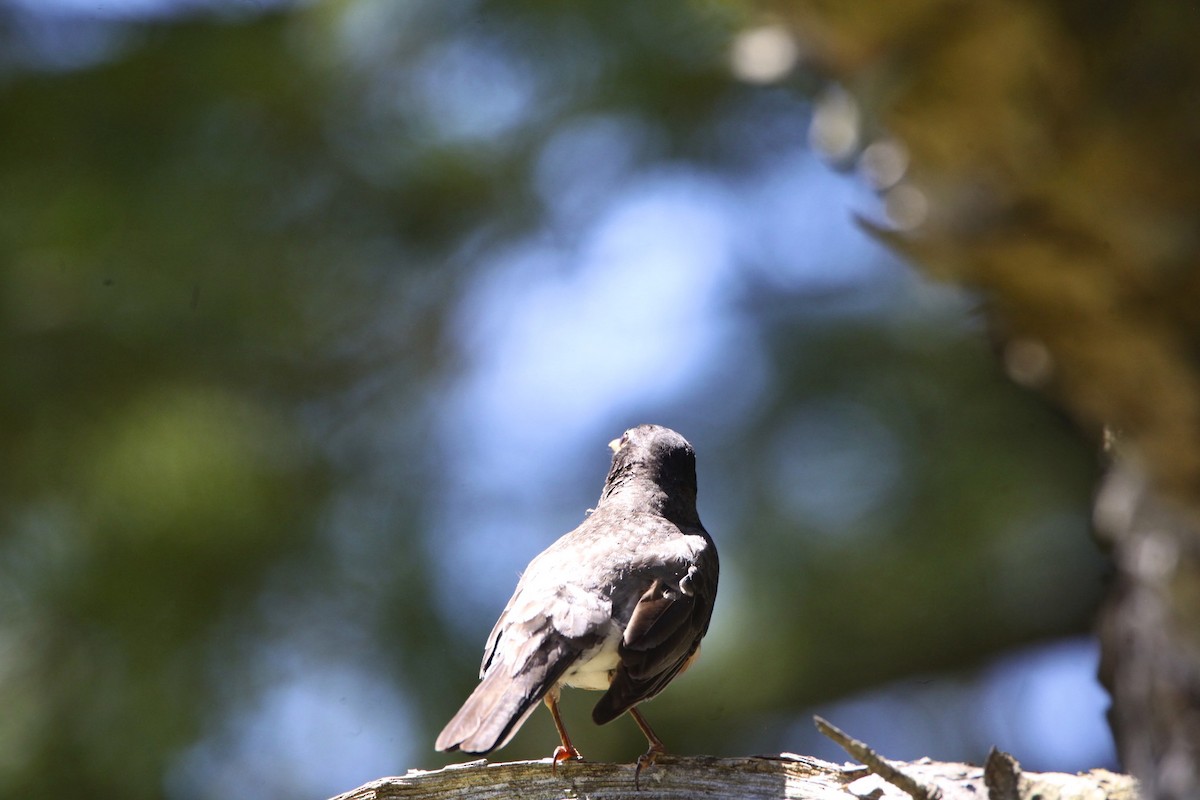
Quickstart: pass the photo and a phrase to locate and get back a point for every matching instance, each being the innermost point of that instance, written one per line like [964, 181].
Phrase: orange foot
[564, 754]
[646, 759]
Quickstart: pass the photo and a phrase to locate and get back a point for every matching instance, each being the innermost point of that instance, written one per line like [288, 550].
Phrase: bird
[617, 605]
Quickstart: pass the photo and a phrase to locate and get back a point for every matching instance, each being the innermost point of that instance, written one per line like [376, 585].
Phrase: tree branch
[877, 764]
[787, 776]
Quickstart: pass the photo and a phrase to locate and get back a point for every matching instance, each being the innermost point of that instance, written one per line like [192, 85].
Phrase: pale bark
[746, 778]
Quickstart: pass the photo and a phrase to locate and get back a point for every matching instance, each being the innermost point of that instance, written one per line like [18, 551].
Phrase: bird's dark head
[654, 464]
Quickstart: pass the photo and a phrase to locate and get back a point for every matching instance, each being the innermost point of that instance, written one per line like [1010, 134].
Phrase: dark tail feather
[622, 695]
[492, 714]
[502, 701]
[625, 692]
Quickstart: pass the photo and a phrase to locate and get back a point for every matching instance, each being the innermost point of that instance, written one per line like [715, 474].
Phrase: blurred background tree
[1049, 153]
[317, 318]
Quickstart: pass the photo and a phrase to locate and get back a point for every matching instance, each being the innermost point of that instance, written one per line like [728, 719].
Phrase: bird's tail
[499, 706]
[492, 714]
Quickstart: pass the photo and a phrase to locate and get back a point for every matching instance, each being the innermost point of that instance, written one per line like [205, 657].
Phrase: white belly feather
[594, 669]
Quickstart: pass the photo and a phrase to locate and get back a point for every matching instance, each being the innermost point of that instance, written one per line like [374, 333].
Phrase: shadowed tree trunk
[1048, 156]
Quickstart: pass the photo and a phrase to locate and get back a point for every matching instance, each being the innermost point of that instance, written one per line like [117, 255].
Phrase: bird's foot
[646, 759]
[564, 754]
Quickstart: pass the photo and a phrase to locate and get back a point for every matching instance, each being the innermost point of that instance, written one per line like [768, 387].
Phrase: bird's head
[654, 464]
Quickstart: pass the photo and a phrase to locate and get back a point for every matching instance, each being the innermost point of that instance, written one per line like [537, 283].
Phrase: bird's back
[619, 604]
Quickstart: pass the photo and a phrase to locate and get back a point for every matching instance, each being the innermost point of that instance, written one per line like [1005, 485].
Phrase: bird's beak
[615, 444]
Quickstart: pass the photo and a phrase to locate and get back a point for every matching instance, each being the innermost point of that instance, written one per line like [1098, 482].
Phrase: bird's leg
[656, 749]
[566, 750]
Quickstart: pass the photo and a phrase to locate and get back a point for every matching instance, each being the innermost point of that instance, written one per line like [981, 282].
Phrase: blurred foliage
[1052, 144]
[1051, 164]
[231, 250]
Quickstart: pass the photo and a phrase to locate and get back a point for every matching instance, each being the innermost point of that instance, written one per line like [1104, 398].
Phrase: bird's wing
[663, 634]
[544, 630]
[489, 649]
[658, 630]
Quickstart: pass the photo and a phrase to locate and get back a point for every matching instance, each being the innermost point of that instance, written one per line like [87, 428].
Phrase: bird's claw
[646, 759]
[564, 754]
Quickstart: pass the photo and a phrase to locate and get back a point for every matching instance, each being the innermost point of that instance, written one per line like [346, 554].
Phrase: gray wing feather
[663, 634]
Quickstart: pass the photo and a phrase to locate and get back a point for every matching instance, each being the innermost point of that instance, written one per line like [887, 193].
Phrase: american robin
[617, 605]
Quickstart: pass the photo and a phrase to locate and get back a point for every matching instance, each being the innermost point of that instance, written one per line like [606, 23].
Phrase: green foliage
[231, 256]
